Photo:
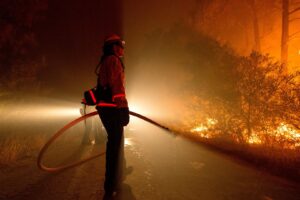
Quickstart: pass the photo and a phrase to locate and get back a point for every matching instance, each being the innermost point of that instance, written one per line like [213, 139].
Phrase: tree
[256, 32]
[268, 97]
[241, 24]
[285, 31]
[288, 10]
[18, 43]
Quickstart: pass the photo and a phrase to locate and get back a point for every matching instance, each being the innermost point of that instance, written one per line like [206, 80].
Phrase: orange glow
[199, 128]
[284, 135]
[211, 121]
[254, 139]
[203, 129]
[288, 133]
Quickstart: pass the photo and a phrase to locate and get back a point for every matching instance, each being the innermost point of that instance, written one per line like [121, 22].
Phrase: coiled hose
[69, 125]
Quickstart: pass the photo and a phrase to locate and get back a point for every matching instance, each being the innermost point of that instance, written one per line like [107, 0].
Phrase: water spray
[71, 124]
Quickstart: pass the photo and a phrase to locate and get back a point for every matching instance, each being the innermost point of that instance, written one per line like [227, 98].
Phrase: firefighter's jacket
[111, 74]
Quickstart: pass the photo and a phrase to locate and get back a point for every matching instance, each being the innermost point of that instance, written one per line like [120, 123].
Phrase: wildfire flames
[283, 132]
[254, 139]
[203, 129]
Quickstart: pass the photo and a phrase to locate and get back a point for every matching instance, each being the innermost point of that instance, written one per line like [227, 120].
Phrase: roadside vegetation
[248, 106]
[261, 123]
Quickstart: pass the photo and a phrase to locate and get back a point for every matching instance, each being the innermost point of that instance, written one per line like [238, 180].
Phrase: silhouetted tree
[18, 54]
[289, 8]
[256, 31]
[242, 24]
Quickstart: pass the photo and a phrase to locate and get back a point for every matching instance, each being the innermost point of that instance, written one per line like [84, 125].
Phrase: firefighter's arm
[117, 83]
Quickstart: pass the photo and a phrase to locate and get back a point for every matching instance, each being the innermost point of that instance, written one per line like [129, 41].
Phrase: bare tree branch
[292, 35]
[294, 38]
[295, 10]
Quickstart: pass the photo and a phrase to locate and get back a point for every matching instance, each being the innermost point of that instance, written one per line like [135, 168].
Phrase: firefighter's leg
[114, 148]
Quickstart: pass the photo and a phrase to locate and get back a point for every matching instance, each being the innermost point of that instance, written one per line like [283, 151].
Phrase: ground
[161, 167]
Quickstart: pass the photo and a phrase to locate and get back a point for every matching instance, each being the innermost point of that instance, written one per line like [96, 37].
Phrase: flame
[202, 131]
[200, 128]
[211, 121]
[283, 132]
[254, 139]
[204, 127]
[287, 132]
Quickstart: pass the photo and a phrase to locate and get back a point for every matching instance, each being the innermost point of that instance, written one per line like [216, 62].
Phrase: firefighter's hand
[124, 116]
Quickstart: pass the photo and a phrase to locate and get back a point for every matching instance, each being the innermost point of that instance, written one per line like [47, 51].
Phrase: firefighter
[113, 110]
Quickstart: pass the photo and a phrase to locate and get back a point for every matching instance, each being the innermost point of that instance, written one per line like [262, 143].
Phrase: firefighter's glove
[122, 105]
[124, 115]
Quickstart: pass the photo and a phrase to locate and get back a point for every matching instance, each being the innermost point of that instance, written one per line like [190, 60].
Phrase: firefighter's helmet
[114, 39]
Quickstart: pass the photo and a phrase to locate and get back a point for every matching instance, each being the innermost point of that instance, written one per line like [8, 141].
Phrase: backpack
[95, 95]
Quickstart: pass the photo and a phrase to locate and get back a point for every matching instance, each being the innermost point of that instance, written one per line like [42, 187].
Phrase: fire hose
[69, 125]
